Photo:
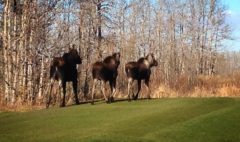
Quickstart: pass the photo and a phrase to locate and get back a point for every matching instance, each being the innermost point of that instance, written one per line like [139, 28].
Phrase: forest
[187, 37]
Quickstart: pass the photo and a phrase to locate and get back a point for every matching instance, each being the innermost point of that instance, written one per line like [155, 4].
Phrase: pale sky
[234, 21]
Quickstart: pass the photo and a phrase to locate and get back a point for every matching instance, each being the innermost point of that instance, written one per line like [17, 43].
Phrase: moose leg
[75, 91]
[139, 88]
[93, 90]
[130, 81]
[50, 94]
[113, 90]
[64, 94]
[58, 97]
[103, 87]
[148, 88]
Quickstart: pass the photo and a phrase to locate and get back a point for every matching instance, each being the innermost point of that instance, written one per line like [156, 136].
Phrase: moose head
[150, 60]
[74, 56]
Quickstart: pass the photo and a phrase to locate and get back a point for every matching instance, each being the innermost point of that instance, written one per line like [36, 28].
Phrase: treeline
[186, 37]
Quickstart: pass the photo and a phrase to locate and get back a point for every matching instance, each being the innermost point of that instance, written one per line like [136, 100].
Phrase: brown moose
[140, 70]
[106, 71]
[64, 69]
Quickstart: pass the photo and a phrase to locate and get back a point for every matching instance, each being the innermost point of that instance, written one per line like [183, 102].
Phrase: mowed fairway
[163, 120]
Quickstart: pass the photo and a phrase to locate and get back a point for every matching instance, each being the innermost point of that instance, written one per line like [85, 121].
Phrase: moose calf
[106, 70]
[140, 70]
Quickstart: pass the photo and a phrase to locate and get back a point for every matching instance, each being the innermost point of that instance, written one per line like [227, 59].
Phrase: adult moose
[106, 70]
[140, 70]
[64, 69]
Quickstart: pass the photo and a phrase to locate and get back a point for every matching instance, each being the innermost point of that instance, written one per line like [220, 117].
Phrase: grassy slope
[166, 120]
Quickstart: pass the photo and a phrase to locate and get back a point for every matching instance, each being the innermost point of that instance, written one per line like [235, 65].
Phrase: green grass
[164, 120]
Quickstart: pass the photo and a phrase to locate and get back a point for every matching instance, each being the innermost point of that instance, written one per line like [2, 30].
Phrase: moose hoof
[133, 96]
[111, 99]
[108, 101]
[62, 105]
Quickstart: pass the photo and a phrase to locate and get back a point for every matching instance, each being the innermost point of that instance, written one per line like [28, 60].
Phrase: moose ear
[73, 46]
[118, 56]
[150, 57]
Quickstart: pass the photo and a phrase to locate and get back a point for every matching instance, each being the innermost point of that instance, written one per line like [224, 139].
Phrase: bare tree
[185, 36]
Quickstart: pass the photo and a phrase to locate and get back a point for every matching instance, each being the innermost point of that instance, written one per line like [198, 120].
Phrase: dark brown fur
[140, 70]
[64, 69]
[106, 70]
